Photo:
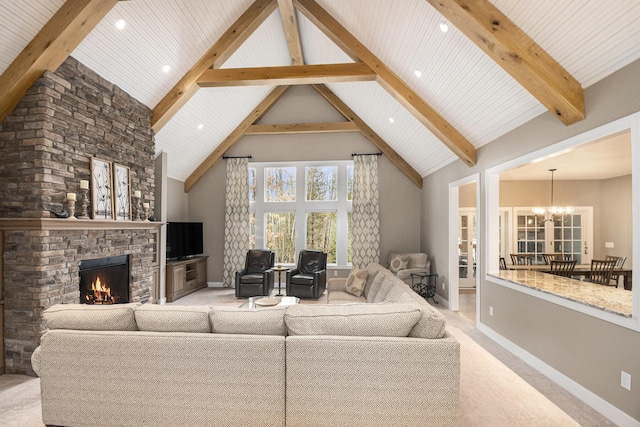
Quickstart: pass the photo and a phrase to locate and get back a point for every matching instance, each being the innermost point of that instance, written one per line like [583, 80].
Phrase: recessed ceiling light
[166, 68]
[120, 24]
[391, 120]
[418, 73]
[444, 27]
[200, 126]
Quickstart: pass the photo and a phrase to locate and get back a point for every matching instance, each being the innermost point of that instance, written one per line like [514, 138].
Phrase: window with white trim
[297, 206]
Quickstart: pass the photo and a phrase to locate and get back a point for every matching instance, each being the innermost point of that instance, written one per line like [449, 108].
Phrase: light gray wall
[399, 197]
[177, 201]
[589, 351]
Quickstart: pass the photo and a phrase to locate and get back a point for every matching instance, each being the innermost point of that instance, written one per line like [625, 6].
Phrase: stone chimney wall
[46, 144]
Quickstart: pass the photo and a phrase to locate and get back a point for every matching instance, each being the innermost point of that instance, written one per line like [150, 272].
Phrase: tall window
[299, 206]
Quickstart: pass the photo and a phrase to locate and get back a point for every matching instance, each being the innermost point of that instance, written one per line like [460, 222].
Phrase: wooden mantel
[74, 224]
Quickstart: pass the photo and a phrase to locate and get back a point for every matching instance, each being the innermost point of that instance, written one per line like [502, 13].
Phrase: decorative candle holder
[71, 208]
[145, 212]
[84, 204]
[136, 210]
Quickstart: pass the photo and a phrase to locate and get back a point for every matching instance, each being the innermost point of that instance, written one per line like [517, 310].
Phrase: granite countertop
[613, 300]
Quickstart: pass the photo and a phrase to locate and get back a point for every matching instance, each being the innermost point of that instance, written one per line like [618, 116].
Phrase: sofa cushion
[356, 281]
[381, 320]
[431, 324]
[342, 297]
[376, 285]
[398, 262]
[261, 321]
[172, 318]
[116, 317]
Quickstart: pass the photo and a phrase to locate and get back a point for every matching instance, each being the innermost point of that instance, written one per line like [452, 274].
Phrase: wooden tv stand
[186, 276]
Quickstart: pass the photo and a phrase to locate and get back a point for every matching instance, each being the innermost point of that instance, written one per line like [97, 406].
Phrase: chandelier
[553, 209]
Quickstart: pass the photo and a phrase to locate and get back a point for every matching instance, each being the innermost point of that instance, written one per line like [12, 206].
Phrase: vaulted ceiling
[502, 63]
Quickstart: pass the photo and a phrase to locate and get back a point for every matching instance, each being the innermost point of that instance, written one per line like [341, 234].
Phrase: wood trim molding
[49, 48]
[518, 55]
[288, 75]
[226, 45]
[370, 134]
[74, 224]
[298, 128]
[409, 99]
[233, 137]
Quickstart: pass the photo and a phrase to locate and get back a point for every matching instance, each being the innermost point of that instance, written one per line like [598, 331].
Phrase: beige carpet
[491, 393]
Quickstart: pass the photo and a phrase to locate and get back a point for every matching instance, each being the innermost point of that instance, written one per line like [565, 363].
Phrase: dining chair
[503, 263]
[521, 259]
[562, 267]
[558, 257]
[601, 271]
[619, 263]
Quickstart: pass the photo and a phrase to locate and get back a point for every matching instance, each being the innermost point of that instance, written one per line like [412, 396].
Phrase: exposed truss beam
[234, 136]
[226, 45]
[297, 128]
[429, 117]
[370, 134]
[49, 48]
[518, 55]
[289, 75]
[291, 30]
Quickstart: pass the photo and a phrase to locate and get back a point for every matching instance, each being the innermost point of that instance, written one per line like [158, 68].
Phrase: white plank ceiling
[590, 39]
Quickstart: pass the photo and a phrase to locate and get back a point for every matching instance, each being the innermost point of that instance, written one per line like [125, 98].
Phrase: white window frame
[301, 206]
[629, 123]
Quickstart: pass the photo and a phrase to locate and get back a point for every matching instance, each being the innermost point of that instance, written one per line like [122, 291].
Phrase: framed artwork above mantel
[101, 189]
[122, 192]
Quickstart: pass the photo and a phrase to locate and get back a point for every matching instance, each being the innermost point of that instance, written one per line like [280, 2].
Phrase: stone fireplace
[46, 144]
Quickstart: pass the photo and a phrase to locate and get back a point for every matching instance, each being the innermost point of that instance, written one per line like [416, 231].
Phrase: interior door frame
[454, 225]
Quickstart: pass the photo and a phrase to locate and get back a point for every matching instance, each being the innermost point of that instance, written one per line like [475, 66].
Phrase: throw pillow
[356, 281]
[399, 262]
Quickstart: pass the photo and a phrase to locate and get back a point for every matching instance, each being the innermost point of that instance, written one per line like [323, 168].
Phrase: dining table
[580, 270]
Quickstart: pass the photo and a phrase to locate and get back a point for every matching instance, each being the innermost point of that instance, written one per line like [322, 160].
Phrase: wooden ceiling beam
[291, 31]
[49, 48]
[226, 45]
[518, 55]
[370, 134]
[409, 99]
[288, 75]
[233, 137]
[298, 128]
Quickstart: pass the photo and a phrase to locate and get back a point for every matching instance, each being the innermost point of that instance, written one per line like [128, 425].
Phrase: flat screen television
[184, 239]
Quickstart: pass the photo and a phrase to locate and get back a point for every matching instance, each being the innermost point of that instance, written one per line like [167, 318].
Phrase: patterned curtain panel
[236, 219]
[365, 222]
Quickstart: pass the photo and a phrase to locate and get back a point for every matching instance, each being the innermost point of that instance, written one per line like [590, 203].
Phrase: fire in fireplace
[104, 280]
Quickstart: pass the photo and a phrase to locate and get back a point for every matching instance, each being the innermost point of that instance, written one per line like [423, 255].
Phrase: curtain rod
[236, 157]
[366, 154]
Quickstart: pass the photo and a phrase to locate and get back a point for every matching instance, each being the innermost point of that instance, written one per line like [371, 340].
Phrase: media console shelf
[186, 276]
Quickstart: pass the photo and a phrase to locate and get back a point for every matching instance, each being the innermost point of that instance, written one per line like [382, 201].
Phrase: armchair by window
[309, 278]
[257, 276]
[402, 264]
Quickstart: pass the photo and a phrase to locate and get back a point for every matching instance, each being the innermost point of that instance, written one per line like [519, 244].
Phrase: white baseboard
[443, 302]
[215, 285]
[596, 402]
[162, 301]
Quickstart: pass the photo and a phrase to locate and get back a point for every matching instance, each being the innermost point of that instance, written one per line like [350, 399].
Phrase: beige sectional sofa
[302, 365]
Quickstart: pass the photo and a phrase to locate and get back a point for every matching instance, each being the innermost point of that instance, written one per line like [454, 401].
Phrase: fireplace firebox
[105, 280]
